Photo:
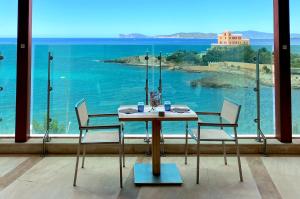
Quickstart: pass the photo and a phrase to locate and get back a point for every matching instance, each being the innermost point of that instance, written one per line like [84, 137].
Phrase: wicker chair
[114, 136]
[229, 114]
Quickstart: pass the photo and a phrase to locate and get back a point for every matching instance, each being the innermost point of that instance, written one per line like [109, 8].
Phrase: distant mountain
[192, 35]
[255, 34]
[133, 35]
[261, 35]
[251, 34]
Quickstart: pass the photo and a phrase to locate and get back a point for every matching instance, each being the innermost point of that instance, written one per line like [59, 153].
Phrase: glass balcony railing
[295, 78]
[109, 73]
[7, 86]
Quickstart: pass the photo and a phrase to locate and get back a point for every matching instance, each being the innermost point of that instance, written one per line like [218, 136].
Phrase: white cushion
[212, 135]
[101, 137]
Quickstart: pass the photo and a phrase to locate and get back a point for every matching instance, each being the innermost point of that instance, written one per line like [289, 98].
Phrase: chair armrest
[217, 124]
[208, 113]
[116, 126]
[104, 115]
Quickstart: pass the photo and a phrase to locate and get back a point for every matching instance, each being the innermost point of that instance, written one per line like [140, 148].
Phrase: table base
[169, 174]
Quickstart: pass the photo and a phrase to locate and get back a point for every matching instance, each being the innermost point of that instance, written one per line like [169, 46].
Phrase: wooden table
[156, 173]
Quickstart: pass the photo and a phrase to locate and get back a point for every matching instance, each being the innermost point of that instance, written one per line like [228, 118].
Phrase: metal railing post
[46, 137]
[147, 140]
[260, 134]
[1, 87]
[161, 101]
[160, 78]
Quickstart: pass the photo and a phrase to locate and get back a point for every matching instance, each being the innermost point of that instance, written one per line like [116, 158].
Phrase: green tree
[295, 60]
[241, 53]
[185, 57]
[54, 127]
[265, 56]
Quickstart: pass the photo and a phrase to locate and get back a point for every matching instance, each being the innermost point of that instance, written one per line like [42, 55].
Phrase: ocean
[76, 73]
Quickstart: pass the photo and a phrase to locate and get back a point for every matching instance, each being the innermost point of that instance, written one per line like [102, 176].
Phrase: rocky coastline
[223, 74]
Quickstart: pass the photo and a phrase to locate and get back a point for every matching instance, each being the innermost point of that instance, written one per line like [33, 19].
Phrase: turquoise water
[76, 74]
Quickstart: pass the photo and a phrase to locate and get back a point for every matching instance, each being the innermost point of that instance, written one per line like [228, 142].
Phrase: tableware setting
[141, 107]
[180, 110]
[167, 106]
[128, 111]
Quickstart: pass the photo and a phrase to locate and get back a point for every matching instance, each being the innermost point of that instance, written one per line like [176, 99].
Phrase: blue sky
[108, 18]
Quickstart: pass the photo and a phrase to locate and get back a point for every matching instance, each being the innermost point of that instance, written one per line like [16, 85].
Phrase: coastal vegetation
[242, 53]
[186, 57]
[295, 60]
[228, 63]
[55, 127]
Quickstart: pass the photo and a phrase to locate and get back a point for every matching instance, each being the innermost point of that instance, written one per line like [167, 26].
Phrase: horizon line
[156, 36]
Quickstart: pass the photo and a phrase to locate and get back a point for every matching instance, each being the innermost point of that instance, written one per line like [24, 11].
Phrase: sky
[109, 18]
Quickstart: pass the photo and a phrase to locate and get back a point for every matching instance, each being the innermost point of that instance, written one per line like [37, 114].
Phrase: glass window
[100, 56]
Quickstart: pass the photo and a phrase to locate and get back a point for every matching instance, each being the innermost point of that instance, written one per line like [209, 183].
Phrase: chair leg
[162, 140]
[239, 160]
[186, 144]
[148, 140]
[149, 147]
[76, 166]
[83, 156]
[198, 154]
[198, 159]
[120, 161]
[224, 152]
[123, 150]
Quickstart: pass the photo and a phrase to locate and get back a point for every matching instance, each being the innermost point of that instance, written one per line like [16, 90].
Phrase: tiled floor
[31, 177]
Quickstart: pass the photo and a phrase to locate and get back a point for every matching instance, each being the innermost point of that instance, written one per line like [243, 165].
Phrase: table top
[149, 115]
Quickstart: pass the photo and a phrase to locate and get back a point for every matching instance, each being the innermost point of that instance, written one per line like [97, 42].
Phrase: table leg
[156, 127]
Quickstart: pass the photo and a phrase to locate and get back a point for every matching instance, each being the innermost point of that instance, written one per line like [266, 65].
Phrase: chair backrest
[230, 111]
[81, 112]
